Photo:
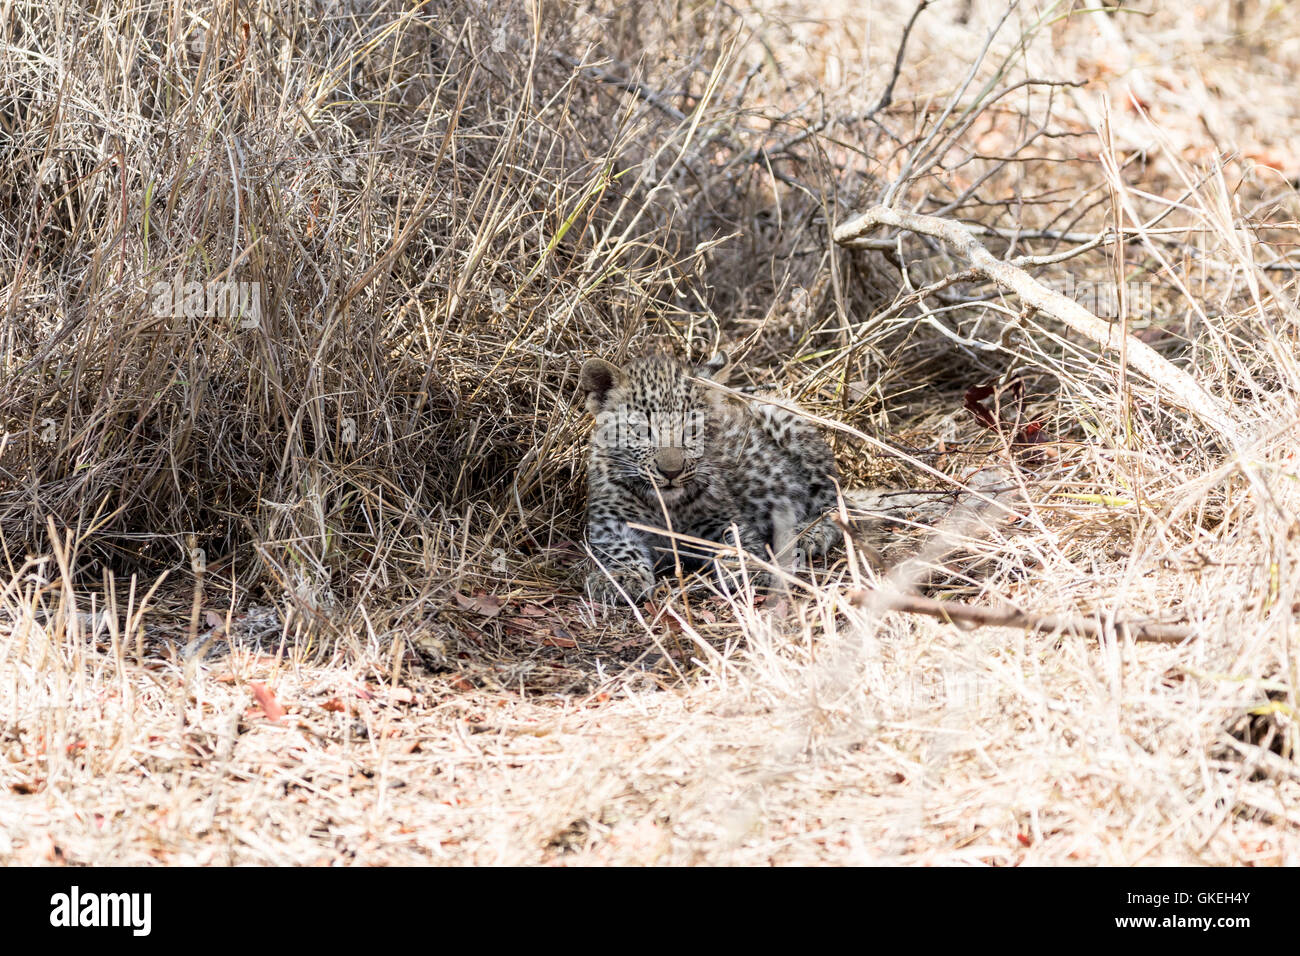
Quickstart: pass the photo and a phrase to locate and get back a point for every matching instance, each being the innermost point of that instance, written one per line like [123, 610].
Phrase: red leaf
[266, 700]
[974, 395]
[1031, 434]
[1034, 434]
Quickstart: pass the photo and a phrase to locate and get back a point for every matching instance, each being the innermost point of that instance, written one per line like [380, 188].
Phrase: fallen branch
[1141, 630]
[1178, 384]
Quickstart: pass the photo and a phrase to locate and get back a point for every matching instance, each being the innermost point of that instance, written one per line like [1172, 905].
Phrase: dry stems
[358, 499]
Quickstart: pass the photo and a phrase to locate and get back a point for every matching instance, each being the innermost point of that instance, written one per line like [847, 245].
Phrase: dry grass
[297, 585]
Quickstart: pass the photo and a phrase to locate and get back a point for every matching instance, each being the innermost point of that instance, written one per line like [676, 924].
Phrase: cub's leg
[623, 558]
[726, 563]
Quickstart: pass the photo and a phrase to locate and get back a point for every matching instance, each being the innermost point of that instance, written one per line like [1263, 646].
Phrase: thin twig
[888, 96]
[751, 155]
[627, 85]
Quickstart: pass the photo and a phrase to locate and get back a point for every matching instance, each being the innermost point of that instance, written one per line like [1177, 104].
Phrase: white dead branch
[1181, 388]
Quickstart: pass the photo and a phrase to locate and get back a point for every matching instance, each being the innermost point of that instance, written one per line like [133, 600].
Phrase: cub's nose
[670, 462]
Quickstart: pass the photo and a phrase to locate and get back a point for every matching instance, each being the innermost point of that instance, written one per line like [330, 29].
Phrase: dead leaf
[975, 395]
[486, 604]
[1034, 434]
[559, 641]
[621, 646]
[266, 700]
[1031, 434]
[1271, 158]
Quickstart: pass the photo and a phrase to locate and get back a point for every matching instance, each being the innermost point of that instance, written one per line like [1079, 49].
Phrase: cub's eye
[693, 433]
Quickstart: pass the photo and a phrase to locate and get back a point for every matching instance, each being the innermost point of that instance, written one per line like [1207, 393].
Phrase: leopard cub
[670, 453]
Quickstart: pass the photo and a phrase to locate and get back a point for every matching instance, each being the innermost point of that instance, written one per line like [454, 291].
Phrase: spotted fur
[668, 452]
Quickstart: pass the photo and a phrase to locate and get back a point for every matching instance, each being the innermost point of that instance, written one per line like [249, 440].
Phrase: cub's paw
[604, 587]
[821, 538]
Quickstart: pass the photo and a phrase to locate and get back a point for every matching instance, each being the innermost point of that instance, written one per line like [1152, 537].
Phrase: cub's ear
[596, 380]
[716, 369]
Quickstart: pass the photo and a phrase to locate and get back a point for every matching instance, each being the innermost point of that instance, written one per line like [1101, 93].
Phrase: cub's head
[654, 423]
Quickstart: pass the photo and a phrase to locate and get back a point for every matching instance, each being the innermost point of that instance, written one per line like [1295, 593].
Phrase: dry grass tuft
[291, 565]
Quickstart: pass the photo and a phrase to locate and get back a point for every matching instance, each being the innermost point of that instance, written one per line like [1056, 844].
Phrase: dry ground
[368, 647]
